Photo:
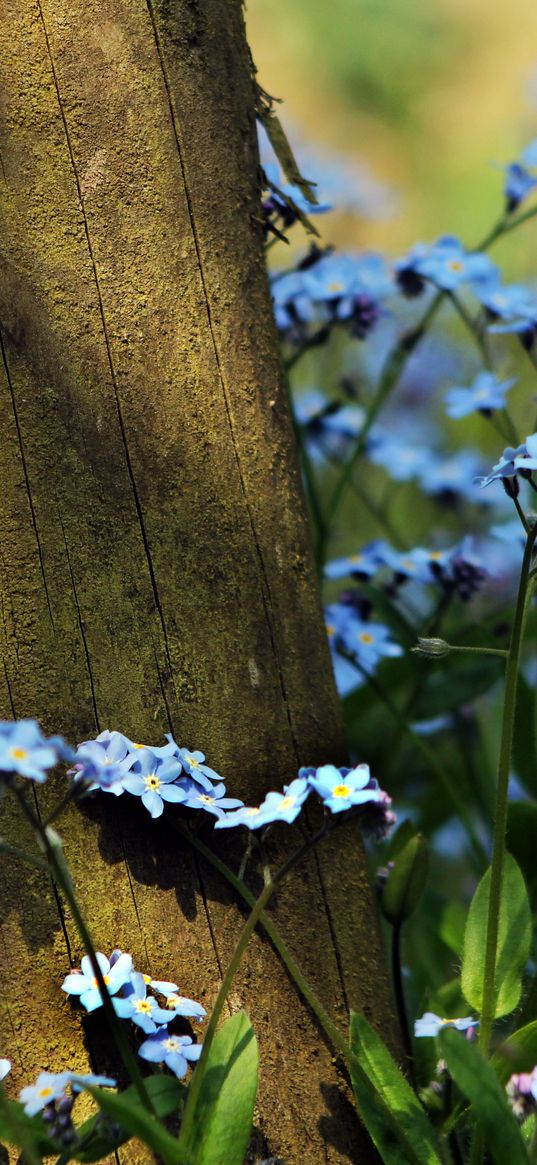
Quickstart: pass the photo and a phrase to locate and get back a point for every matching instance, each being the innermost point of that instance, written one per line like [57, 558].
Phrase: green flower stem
[59, 870]
[449, 787]
[374, 509]
[504, 226]
[472, 327]
[391, 372]
[501, 418]
[525, 590]
[272, 933]
[255, 917]
[521, 515]
[14, 852]
[500, 651]
[397, 979]
[398, 357]
[333, 1033]
[312, 342]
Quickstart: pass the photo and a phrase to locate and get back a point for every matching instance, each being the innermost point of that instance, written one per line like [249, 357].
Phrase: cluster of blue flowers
[338, 788]
[327, 289]
[158, 774]
[128, 990]
[458, 569]
[357, 643]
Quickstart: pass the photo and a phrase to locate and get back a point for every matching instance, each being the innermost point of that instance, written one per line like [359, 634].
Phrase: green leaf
[477, 1081]
[518, 1053]
[390, 1110]
[454, 683]
[451, 927]
[524, 740]
[126, 1108]
[514, 940]
[25, 1132]
[167, 1096]
[520, 839]
[406, 881]
[220, 1130]
[399, 838]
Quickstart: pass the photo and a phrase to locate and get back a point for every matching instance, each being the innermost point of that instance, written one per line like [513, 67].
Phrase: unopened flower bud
[431, 648]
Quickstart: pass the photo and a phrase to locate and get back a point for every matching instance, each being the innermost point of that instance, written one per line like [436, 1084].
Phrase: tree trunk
[156, 565]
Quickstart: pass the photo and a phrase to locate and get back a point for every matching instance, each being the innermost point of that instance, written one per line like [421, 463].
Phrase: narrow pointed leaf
[390, 1110]
[167, 1096]
[222, 1122]
[129, 1113]
[518, 1053]
[477, 1081]
[406, 881]
[514, 939]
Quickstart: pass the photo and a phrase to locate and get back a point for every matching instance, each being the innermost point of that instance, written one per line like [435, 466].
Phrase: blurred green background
[430, 93]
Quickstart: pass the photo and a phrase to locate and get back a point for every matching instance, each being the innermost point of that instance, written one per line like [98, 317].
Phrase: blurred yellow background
[430, 93]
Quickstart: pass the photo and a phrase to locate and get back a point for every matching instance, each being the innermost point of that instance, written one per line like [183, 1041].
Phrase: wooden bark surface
[155, 559]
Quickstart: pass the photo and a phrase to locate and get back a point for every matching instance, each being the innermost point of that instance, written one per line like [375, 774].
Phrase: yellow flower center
[140, 745]
[173, 1001]
[172, 1044]
[44, 1092]
[18, 753]
[456, 265]
[106, 979]
[152, 781]
[365, 637]
[252, 812]
[143, 1006]
[192, 762]
[287, 803]
[330, 629]
[436, 554]
[337, 286]
[356, 558]
[341, 791]
[407, 562]
[146, 978]
[206, 799]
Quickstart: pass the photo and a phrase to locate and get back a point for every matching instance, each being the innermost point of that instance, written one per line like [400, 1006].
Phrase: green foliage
[127, 1111]
[406, 881]
[514, 940]
[518, 1053]
[524, 740]
[167, 1096]
[225, 1104]
[478, 1083]
[26, 1132]
[388, 1106]
[521, 834]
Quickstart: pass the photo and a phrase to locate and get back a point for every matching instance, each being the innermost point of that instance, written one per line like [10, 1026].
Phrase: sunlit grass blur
[430, 93]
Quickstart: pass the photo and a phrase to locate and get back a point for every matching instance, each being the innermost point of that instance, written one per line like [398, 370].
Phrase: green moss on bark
[157, 568]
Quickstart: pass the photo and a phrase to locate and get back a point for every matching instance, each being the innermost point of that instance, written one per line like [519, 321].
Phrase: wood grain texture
[156, 564]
